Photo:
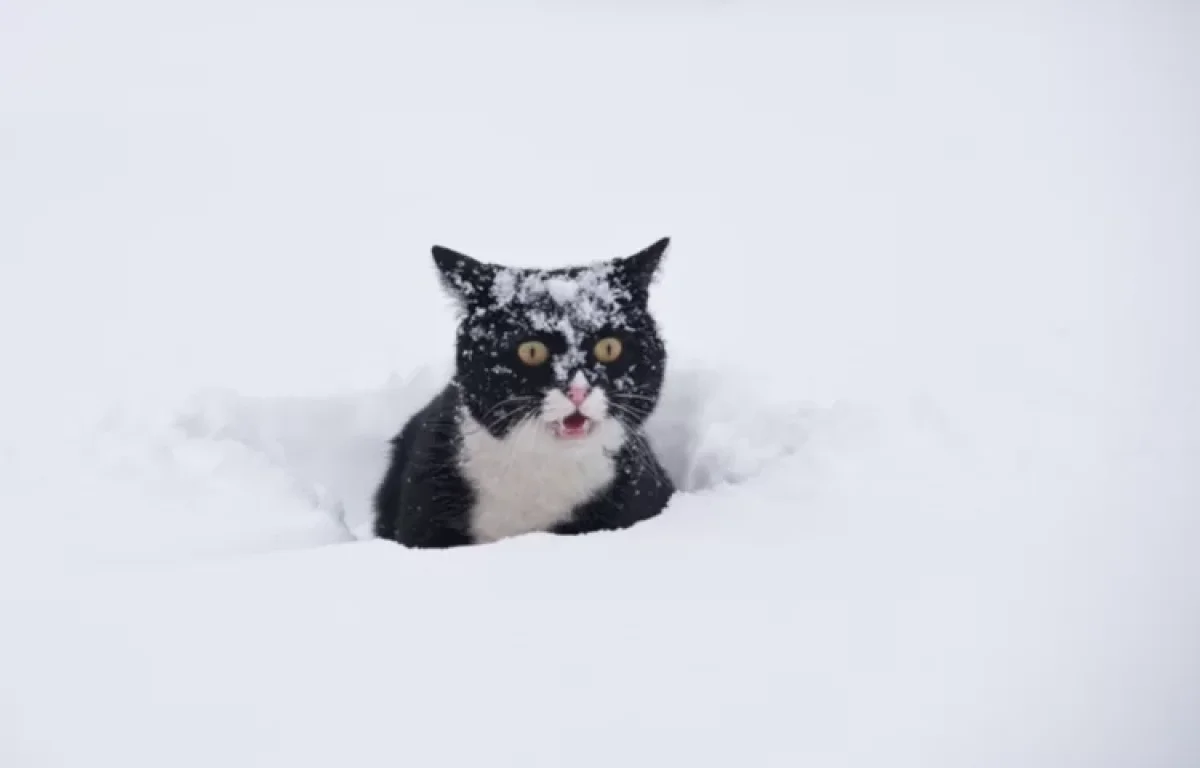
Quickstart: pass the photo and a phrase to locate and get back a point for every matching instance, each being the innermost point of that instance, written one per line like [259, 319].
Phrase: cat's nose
[578, 388]
[577, 393]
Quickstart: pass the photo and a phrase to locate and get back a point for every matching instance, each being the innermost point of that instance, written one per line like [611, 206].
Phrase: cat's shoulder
[437, 409]
[430, 433]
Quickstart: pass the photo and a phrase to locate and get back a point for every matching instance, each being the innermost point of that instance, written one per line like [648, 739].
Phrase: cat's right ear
[640, 269]
[463, 277]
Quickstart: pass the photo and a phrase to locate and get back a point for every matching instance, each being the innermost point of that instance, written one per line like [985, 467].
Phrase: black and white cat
[540, 428]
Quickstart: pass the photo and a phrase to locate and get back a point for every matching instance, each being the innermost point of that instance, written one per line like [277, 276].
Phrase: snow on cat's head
[573, 347]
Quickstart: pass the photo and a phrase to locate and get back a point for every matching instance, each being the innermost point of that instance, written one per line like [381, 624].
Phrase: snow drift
[931, 313]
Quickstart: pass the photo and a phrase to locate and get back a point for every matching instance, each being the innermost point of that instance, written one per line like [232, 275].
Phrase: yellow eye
[533, 353]
[607, 350]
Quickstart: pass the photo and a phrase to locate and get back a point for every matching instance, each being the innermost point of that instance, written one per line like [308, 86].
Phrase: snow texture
[588, 296]
[931, 313]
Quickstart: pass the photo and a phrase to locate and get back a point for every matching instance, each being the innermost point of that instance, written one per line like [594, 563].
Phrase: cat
[541, 427]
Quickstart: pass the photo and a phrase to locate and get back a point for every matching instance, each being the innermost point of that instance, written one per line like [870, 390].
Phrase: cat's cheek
[595, 407]
[556, 406]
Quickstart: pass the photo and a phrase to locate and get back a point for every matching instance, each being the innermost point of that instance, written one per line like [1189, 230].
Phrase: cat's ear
[640, 269]
[464, 278]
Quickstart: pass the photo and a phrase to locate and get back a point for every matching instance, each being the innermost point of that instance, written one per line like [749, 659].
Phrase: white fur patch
[556, 406]
[532, 480]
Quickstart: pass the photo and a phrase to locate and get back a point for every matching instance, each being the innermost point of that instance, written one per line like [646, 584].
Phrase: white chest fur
[531, 480]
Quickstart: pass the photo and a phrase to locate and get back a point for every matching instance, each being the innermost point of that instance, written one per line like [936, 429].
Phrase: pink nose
[577, 395]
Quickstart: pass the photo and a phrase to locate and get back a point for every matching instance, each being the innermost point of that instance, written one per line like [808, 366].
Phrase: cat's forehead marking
[563, 287]
[567, 301]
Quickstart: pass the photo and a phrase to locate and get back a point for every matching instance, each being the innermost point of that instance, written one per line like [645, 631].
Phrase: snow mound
[136, 489]
[712, 429]
[222, 474]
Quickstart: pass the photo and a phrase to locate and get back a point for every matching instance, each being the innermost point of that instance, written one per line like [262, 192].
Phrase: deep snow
[930, 303]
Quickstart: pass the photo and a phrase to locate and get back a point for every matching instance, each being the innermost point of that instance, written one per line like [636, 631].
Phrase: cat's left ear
[640, 269]
[466, 279]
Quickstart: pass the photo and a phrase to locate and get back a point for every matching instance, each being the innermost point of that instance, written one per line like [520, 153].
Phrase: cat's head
[574, 349]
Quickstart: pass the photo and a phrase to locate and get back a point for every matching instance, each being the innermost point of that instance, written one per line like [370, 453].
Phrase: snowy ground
[931, 305]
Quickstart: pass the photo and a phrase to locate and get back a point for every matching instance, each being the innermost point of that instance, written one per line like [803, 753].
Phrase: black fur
[424, 500]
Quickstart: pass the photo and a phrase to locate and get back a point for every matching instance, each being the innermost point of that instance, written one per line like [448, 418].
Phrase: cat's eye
[533, 353]
[607, 350]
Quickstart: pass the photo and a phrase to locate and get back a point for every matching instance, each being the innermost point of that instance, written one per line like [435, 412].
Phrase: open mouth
[574, 426]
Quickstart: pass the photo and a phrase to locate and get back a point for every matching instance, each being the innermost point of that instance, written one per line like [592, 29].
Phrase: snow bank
[930, 306]
[547, 648]
[837, 584]
[711, 429]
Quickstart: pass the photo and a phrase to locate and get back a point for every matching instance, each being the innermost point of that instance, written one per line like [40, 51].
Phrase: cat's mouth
[574, 426]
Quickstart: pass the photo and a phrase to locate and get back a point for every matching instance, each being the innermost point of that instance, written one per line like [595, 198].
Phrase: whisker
[631, 396]
[637, 413]
[502, 403]
[635, 407]
[620, 409]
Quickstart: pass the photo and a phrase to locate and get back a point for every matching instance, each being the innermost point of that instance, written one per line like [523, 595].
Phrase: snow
[586, 300]
[931, 317]
[588, 294]
[524, 286]
[562, 290]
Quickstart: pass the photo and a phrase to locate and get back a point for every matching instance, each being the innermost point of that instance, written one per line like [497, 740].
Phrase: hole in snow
[709, 430]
